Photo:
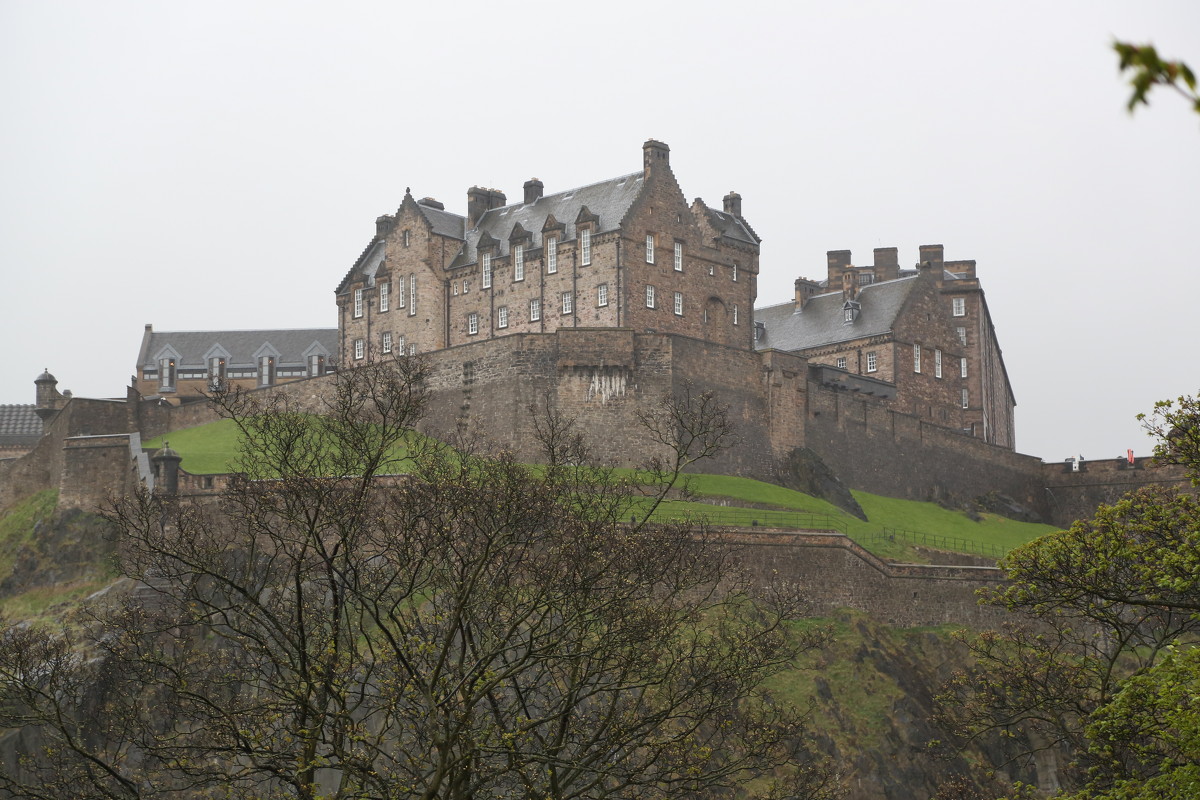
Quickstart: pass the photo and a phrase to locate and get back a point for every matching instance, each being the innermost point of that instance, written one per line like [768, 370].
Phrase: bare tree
[475, 627]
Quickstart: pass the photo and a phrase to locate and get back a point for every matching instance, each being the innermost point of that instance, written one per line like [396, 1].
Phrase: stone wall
[1074, 495]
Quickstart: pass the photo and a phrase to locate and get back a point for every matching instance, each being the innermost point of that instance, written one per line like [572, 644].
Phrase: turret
[49, 400]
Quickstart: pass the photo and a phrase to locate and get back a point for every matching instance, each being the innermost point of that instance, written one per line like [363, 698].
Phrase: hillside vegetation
[727, 500]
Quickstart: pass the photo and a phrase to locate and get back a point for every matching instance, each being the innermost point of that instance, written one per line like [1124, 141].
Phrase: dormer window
[850, 310]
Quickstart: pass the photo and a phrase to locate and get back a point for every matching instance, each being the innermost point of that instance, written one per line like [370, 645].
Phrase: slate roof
[243, 347]
[19, 424]
[608, 200]
[733, 227]
[444, 223]
[822, 322]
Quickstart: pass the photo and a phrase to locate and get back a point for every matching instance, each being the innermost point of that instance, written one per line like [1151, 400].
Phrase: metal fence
[722, 516]
[938, 542]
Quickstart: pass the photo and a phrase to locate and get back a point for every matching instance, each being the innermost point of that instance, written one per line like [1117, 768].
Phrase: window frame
[958, 306]
[679, 304]
[650, 298]
[735, 314]
[585, 247]
[568, 303]
[473, 323]
[412, 294]
[966, 398]
[551, 255]
[602, 295]
[872, 361]
[485, 263]
[649, 248]
[841, 362]
[937, 363]
[962, 366]
[360, 350]
[358, 303]
[916, 357]
[535, 309]
[385, 288]
[518, 258]
[678, 264]
[386, 342]
[502, 317]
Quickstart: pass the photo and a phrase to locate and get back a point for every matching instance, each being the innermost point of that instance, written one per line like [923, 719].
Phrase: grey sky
[221, 164]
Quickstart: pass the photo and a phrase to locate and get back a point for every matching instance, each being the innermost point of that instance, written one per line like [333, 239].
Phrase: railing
[936, 541]
[760, 518]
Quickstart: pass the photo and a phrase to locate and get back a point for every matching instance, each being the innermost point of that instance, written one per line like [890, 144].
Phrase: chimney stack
[383, 225]
[655, 154]
[480, 201]
[836, 260]
[887, 264]
[733, 204]
[805, 289]
[533, 190]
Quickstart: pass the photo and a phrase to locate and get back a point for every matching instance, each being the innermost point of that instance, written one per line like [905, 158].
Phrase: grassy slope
[212, 448]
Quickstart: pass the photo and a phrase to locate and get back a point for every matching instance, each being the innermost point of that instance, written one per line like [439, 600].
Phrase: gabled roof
[444, 223]
[734, 227]
[193, 346]
[822, 322]
[19, 424]
[607, 200]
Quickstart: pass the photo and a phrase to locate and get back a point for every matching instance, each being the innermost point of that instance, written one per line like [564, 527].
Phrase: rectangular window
[916, 358]
[649, 248]
[487, 270]
[966, 400]
[384, 291]
[216, 372]
[316, 365]
[866, 278]
[872, 362]
[472, 323]
[412, 295]
[166, 373]
[412, 349]
[519, 263]
[535, 310]
[735, 314]
[679, 304]
[407, 238]
[962, 365]
[502, 317]
[602, 294]
[387, 341]
[735, 272]
[841, 362]
[937, 363]
[359, 349]
[266, 370]
[400, 344]
[585, 246]
[568, 302]
[649, 296]
[401, 295]
[679, 256]
[959, 306]
[466, 286]
[358, 303]
[551, 254]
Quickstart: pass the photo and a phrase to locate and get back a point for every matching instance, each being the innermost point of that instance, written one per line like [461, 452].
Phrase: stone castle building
[631, 253]
[628, 252]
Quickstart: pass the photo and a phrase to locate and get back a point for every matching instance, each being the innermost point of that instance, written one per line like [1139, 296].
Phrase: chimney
[932, 253]
[733, 204]
[533, 190]
[887, 264]
[480, 201]
[655, 154]
[383, 225]
[805, 289]
[837, 261]
[849, 284]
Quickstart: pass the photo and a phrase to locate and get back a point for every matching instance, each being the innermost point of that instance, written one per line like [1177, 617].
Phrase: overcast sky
[215, 165]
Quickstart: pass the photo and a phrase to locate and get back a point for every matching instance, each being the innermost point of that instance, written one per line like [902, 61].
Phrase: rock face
[804, 471]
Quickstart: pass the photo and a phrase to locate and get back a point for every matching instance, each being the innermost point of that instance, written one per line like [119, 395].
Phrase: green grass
[17, 524]
[41, 603]
[213, 448]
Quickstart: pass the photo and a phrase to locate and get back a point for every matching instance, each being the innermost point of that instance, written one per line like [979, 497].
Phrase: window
[384, 290]
[412, 295]
[502, 317]
[487, 270]
[849, 313]
[466, 286]
[966, 399]
[916, 358]
[316, 365]
[535, 310]
[841, 362]
[602, 294]
[266, 370]
[387, 341]
[401, 295]
[358, 303]
[412, 349]
[216, 372]
[959, 306]
[962, 334]
[872, 362]
[649, 296]
[407, 238]
[735, 314]
[454, 287]
[937, 363]
[649, 248]
[679, 256]
[962, 365]
[519, 263]
[585, 246]
[712, 269]
[551, 254]
[359, 349]
[866, 278]
[472, 323]
[166, 373]
[568, 302]
[735, 272]
[400, 344]
[679, 304]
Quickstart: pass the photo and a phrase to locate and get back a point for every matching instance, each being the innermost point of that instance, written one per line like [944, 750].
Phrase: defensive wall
[603, 378]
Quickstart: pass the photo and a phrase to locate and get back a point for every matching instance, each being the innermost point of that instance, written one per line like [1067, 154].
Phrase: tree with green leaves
[367, 613]
[1099, 662]
[1148, 69]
